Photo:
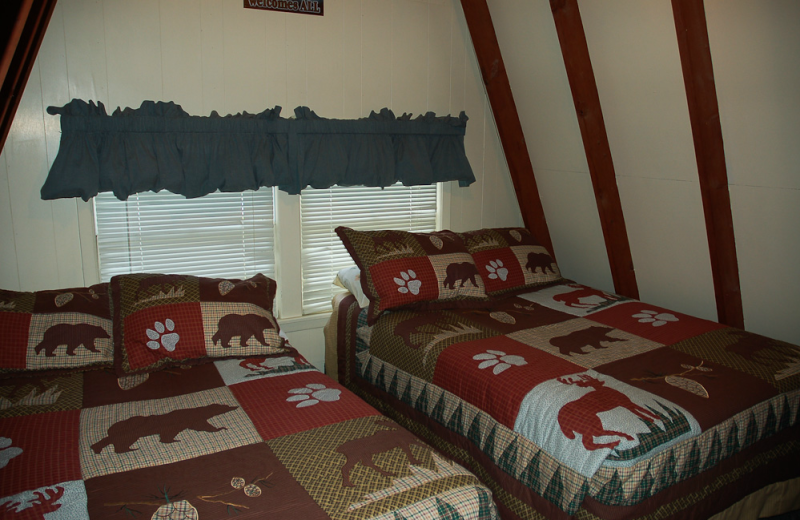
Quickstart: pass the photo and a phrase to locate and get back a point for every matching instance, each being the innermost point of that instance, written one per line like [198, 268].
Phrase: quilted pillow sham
[413, 270]
[164, 320]
[59, 331]
[510, 260]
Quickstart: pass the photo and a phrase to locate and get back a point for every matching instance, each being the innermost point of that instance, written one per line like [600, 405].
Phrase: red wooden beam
[701, 93]
[19, 54]
[575, 51]
[498, 89]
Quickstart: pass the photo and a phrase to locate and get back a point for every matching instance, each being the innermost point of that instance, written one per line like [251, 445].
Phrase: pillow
[350, 278]
[510, 260]
[413, 270]
[164, 320]
[58, 331]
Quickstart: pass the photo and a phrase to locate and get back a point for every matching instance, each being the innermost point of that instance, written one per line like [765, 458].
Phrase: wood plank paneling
[410, 54]
[498, 90]
[133, 52]
[595, 140]
[182, 67]
[55, 87]
[325, 78]
[351, 60]
[698, 75]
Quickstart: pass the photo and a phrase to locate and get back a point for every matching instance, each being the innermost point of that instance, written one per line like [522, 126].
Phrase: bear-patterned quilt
[261, 437]
[569, 400]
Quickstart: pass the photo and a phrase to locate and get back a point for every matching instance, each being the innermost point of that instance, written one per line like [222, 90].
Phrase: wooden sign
[288, 6]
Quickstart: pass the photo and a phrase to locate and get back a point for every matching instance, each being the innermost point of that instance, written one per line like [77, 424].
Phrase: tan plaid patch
[456, 287]
[83, 357]
[312, 459]
[540, 276]
[216, 423]
[584, 342]
[213, 312]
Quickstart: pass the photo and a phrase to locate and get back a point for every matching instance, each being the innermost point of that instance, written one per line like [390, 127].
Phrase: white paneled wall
[755, 46]
[634, 52]
[409, 55]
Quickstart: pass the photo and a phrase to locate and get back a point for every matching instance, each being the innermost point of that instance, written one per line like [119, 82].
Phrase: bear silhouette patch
[540, 260]
[460, 273]
[71, 335]
[245, 326]
[124, 434]
[574, 342]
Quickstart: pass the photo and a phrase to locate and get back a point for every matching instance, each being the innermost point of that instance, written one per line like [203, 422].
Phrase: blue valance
[159, 146]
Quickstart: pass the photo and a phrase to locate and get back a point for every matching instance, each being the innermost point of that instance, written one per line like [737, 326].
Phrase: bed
[169, 396]
[567, 401]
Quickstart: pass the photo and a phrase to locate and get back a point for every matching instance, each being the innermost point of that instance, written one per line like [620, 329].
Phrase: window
[219, 235]
[321, 211]
[234, 235]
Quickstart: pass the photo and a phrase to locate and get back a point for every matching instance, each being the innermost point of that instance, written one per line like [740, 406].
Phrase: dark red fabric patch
[102, 386]
[246, 482]
[188, 326]
[498, 394]
[515, 314]
[499, 276]
[14, 347]
[280, 416]
[49, 444]
[418, 284]
[654, 323]
[711, 392]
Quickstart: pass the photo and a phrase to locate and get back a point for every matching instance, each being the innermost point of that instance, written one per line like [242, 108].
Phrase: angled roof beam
[701, 93]
[26, 24]
[498, 89]
[575, 51]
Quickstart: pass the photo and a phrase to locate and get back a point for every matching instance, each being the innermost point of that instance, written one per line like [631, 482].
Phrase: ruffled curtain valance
[159, 146]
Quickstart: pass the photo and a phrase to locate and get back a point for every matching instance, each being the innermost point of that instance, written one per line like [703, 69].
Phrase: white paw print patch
[499, 360]
[163, 336]
[655, 318]
[496, 270]
[408, 283]
[312, 394]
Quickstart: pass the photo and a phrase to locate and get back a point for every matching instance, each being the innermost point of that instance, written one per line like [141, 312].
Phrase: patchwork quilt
[592, 401]
[261, 437]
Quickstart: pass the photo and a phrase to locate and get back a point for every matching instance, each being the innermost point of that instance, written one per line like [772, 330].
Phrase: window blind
[408, 208]
[226, 235]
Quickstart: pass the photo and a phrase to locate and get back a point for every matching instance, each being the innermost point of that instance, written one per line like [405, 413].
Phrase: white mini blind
[366, 209]
[227, 235]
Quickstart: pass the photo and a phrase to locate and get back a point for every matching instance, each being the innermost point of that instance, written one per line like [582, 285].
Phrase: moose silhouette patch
[245, 326]
[124, 434]
[71, 335]
[580, 416]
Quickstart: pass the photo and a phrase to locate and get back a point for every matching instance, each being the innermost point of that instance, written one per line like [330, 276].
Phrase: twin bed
[178, 397]
[565, 400]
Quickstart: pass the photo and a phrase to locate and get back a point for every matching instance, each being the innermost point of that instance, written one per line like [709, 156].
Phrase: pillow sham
[413, 270]
[165, 320]
[350, 278]
[510, 260]
[59, 331]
